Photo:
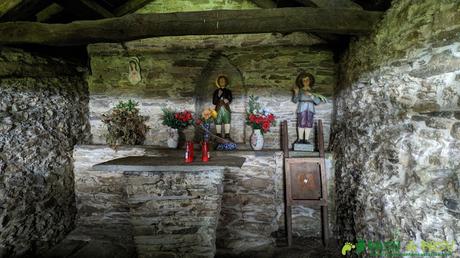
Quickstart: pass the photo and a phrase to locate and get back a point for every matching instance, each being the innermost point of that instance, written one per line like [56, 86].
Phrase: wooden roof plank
[131, 6]
[23, 9]
[336, 4]
[264, 3]
[48, 12]
[85, 9]
[7, 5]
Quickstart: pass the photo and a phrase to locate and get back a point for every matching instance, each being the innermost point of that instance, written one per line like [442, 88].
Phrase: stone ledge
[158, 150]
[167, 164]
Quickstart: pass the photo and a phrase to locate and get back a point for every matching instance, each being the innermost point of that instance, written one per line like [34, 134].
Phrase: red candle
[204, 151]
[189, 152]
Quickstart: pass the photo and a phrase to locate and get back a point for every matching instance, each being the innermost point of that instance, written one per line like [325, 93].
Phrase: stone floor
[301, 248]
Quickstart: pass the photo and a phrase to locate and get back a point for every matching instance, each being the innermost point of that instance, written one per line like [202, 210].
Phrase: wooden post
[289, 224]
[324, 225]
[288, 207]
[285, 139]
[320, 139]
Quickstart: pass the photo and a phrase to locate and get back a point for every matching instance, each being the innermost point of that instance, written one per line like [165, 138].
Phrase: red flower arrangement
[177, 120]
[261, 121]
[183, 116]
[259, 118]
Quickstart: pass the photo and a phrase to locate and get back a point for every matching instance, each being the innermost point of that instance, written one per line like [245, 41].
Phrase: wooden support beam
[85, 9]
[346, 4]
[21, 10]
[7, 5]
[92, 5]
[48, 12]
[131, 6]
[138, 26]
[265, 3]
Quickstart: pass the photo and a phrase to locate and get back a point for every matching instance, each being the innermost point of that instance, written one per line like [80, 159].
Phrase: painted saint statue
[306, 102]
[134, 74]
[222, 98]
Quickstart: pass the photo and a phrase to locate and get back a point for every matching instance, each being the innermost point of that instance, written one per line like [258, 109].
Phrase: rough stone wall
[180, 72]
[397, 127]
[252, 216]
[43, 113]
[252, 210]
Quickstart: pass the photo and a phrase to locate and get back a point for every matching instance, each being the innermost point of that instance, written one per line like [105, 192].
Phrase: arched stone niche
[219, 64]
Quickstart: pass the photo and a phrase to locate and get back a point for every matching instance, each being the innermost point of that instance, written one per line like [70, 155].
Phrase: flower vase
[207, 129]
[173, 138]
[257, 140]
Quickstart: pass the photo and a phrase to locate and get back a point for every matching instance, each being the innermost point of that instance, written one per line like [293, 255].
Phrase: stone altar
[161, 206]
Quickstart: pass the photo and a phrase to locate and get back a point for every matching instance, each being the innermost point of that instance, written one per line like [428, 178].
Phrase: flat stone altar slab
[164, 164]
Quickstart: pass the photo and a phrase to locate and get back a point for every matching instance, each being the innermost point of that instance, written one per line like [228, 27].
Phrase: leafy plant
[130, 105]
[253, 104]
[125, 125]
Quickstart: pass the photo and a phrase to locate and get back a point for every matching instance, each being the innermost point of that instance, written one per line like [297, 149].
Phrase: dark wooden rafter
[306, 3]
[48, 12]
[85, 9]
[131, 6]
[21, 9]
[138, 26]
[345, 4]
[374, 5]
[337, 4]
[264, 3]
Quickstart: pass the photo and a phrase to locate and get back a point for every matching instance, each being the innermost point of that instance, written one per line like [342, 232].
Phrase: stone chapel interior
[155, 128]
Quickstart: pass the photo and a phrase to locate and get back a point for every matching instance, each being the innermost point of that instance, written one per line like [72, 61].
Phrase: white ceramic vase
[173, 138]
[257, 140]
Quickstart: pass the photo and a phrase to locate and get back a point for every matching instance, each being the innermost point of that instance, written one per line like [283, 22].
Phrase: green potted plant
[125, 125]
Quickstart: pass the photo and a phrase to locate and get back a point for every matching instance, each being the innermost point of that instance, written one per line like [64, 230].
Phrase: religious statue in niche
[222, 98]
[306, 101]
[134, 75]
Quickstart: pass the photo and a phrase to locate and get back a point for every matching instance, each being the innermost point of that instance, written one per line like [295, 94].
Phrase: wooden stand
[306, 182]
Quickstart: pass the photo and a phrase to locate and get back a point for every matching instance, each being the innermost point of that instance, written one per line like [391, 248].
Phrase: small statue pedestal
[303, 147]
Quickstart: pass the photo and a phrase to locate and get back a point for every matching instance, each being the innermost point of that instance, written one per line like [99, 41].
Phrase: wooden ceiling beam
[264, 3]
[85, 9]
[50, 11]
[345, 4]
[131, 6]
[139, 26]
[21, 10]
[7, 5]
[348, 4]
